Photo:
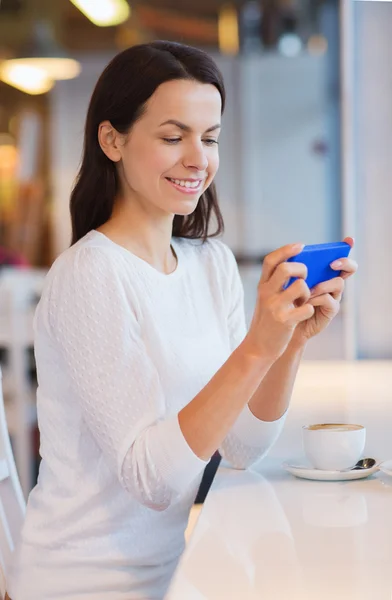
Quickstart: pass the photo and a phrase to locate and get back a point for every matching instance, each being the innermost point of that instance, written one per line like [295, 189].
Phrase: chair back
[12, 503]
[20, 289]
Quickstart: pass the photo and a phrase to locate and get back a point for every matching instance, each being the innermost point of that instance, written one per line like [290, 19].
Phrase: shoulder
[88, 266]
[85, 280]
[90, 256]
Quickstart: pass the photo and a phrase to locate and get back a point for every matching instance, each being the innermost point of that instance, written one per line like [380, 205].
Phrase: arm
[260, 423]
[272, 398]
[262, 420]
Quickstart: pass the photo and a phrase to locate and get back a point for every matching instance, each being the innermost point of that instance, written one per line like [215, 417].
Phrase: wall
[278, 111]
[373, 143]
[285, 187]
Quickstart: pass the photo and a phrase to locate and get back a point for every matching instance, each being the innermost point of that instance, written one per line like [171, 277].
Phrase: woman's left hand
[326, 298]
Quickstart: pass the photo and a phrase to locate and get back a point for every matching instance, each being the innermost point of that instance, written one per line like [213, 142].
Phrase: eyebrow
[186, 127]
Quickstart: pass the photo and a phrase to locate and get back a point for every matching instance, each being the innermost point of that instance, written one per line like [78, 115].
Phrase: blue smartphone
[317, 258]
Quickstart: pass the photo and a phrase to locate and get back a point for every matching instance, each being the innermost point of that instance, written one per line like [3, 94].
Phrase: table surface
[264, 534]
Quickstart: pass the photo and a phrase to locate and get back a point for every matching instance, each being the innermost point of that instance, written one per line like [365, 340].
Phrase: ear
[109, 140]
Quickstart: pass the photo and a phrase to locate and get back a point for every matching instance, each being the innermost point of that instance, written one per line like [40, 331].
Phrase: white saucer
[386, 467]
[306, 471]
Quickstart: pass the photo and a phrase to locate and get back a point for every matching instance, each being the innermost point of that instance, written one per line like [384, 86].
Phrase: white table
[266, 535]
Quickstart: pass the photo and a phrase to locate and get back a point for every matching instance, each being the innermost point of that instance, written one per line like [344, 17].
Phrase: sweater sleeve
[250, 439]
[92, 320]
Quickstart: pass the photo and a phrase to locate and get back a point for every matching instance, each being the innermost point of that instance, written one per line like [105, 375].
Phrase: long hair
[120, 96]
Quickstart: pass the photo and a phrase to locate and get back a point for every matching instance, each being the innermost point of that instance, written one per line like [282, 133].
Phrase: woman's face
[170, 156]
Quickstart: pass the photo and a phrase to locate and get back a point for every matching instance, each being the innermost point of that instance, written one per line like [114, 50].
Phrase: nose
[195, 157]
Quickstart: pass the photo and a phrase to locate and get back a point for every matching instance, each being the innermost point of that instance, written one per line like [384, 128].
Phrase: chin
[185, 208]
[185, 213]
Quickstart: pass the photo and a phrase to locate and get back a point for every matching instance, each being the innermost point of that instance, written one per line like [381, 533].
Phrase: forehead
[191, 102]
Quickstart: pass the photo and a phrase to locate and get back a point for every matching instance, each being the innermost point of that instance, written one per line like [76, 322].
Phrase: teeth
[186, 184]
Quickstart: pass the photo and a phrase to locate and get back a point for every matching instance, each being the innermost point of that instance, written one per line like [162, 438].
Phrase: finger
[330, 305]
[346, 266]
[350, 241]
[297, 293]
[283, 273]
[334, 287]
[303, 313]
[278, 256]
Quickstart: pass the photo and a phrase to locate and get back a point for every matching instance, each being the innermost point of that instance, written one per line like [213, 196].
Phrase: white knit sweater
[121, 348]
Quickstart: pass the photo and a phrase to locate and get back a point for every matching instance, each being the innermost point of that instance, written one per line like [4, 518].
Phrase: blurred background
[306, 149]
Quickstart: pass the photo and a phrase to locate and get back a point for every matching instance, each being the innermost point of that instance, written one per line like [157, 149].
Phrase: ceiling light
[42, 52]
[27, 78]
[55, 68]
[104, 12]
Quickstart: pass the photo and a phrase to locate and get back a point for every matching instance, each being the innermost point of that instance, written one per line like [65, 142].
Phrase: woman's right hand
[278, 310]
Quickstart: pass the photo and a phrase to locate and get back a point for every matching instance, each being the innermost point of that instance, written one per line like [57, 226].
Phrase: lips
[186, 186]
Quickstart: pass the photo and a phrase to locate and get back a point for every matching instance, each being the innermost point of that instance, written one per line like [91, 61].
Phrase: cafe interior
[305, 156]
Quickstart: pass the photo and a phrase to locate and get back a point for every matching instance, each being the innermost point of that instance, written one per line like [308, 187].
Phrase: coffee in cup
[333, 446]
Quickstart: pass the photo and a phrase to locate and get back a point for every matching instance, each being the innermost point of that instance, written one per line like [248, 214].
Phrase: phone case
[317, 258]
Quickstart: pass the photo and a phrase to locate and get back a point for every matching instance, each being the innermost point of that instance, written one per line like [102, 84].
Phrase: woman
[145, 367]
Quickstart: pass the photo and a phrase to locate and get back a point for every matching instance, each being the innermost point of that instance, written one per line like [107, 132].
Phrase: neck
[145, 234]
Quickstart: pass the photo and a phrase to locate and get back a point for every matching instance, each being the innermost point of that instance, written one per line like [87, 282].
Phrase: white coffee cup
[333, 446]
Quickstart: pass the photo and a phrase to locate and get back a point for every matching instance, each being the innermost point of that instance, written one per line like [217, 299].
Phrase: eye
[172, 140]
[210, 141]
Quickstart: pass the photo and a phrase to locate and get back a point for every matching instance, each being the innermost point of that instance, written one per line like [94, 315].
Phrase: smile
[185, 185]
